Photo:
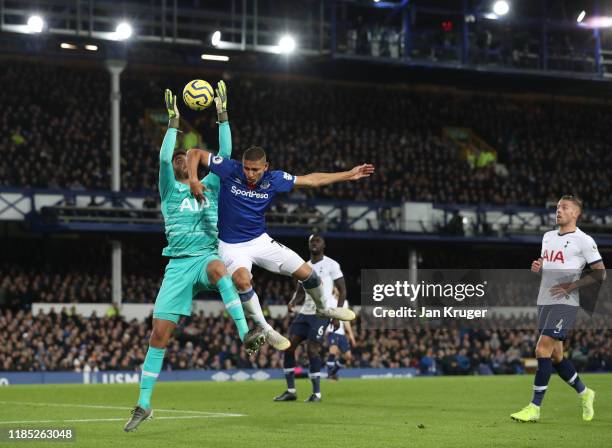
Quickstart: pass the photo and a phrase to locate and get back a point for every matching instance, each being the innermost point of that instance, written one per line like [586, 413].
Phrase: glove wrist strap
[222, 117]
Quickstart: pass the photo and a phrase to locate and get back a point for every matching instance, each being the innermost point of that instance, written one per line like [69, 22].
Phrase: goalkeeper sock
[250, 302]
[232, 303]
[150, 371]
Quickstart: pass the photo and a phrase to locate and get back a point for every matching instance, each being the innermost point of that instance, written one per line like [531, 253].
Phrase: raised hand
[360, 171]
[221, 101]
[173, 112]
[197, 190]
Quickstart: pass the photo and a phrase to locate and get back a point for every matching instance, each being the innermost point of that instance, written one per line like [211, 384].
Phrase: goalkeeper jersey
[191, 227]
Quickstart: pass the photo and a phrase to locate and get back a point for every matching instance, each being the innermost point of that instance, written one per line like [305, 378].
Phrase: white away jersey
[564, 256]
[340, 330]
[328, 270]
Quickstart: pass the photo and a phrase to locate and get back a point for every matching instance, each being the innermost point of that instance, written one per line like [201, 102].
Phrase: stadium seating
[63, 341]
[546, 145]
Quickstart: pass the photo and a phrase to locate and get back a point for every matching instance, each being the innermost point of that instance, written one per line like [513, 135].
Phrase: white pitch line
[123, 408]
[94, 420]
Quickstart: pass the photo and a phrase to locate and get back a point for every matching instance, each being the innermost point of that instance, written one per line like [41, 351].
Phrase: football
[198, 94]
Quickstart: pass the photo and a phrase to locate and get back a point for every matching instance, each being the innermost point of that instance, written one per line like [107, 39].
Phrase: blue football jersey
[242, 208]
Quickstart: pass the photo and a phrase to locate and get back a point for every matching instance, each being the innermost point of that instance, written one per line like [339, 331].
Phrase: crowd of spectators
[69, 342]
[56, 138]
[21, 286]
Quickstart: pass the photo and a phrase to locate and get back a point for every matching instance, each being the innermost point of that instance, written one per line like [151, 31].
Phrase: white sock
[317, 296]
[253, 309]
[291, 390]
[318, 394]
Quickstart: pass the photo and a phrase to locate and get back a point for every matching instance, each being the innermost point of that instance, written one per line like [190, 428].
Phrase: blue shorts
[309, 326]
[339, 340]
[555, 320]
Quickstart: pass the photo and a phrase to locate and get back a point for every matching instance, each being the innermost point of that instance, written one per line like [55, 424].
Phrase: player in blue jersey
[194, 265]
[247, 190]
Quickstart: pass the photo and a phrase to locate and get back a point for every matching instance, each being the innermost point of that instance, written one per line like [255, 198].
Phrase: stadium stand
[400, 131]
[62, 341]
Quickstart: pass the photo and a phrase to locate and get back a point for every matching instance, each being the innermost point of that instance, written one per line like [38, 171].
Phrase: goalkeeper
[191, 231]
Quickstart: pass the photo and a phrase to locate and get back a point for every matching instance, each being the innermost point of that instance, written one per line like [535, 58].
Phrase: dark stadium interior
[548, 124]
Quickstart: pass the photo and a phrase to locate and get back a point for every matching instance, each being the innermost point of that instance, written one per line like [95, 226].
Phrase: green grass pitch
[419, 412]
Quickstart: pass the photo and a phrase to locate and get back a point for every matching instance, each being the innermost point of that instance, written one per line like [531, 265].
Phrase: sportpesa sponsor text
[249, 194]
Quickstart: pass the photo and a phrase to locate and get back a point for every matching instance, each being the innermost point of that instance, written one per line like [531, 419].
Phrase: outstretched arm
[225, 135]
[315, 180]
[166, 171]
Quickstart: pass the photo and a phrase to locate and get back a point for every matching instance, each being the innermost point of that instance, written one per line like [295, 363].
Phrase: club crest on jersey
[217, 160]
[553, 256]
[566, 243]
[264, 185]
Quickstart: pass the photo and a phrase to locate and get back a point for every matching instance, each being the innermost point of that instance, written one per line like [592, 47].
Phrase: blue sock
[339, 365]
[289, 368]
[315, 374]
[568, 373]
[232, 303]
[331, 362]
[150, 371]
[540, 383]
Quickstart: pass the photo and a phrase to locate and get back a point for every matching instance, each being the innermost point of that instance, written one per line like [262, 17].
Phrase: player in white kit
[565, 253]
[340, 339]
[308, 326]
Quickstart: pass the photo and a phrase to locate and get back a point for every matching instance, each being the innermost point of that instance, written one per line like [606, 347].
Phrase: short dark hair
[573, 199]
[315, 235]
[254, 153]
[178, 152]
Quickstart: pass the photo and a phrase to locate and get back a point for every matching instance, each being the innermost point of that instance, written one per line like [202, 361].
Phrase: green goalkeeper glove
[173, 113]
[221, 101]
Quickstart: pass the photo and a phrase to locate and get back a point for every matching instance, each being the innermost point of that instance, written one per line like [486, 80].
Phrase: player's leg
[278, 258]
[173, 300]
[347, 356]
[567, 372]
[160, 336]
[217, 276]
[298, 332]
[543, 351]
[316, 333]
[343, 352]
[250, 302]
[163, 326]
[312, 284]
[332, 358]
[238, 259]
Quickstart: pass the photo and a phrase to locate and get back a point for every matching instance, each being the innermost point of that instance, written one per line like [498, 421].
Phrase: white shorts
[262, 251]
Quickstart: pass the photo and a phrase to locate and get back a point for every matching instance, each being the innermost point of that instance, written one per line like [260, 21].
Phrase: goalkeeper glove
[221, 101]
[173, 113]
